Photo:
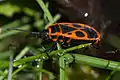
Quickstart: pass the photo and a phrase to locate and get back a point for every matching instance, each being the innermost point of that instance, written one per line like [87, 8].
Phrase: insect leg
[52, 47]
[65, 42]
[96, 46]
[47, 51]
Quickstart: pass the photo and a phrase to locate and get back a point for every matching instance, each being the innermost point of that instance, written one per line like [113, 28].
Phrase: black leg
[52, 47]
[94, 45]
[47, 51]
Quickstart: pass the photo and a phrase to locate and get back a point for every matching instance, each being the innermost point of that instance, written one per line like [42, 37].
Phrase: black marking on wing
[79, 34]
[91, 33]
[54, 37]
[55, 29]
[66, 29]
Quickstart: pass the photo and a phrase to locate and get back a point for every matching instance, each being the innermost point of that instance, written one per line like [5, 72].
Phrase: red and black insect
[69, 33]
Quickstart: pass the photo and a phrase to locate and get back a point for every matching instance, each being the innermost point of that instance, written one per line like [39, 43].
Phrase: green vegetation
[14, 45]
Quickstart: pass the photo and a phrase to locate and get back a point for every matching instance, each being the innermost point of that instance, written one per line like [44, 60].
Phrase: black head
[44, 35]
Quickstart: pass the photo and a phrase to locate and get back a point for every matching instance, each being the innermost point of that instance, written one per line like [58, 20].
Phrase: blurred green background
[29, 16]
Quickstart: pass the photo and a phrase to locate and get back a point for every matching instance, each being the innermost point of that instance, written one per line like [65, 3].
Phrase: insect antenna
[31, 33]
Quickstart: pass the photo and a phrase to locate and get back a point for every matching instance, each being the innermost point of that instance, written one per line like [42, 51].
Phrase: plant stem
[69, 49]
[62, 68]
[46, 11]
[22, 53]
[56, 17]
[10, 68]
[18, 70]
[61, 64]
[94, 62]
[41, 66]
[79, 58]
[23, 61]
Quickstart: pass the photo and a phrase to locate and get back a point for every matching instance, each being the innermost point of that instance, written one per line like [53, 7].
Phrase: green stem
[10, 68]
[46, 11]
[82, 59]
[18, 70]
[22, 53]
[23, 61]
[69, 49]
[93, 61]
[41, 66]
[56, 17]
[61, 64]
[42, 55]
[62, 68]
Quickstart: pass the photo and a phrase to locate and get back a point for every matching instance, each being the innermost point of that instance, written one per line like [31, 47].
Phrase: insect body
[69, 33]
[66, 33]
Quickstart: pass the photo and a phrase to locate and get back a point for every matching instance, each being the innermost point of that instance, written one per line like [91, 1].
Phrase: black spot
[76, 25]
[66, 29]
[66, 39]
[60, 37]
[54, 37]
[79, 34]
[91, 33]
[55, 29]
